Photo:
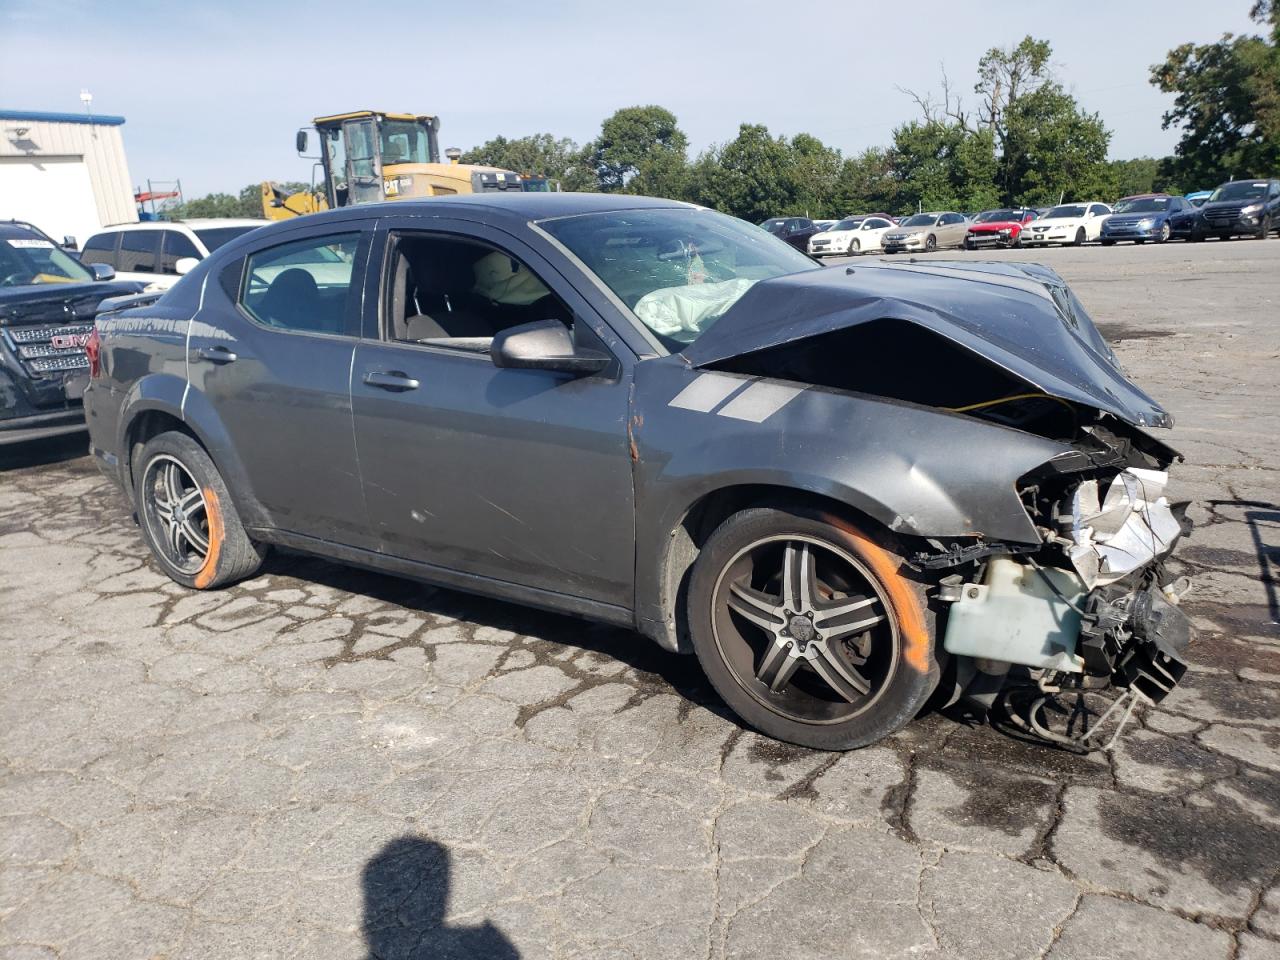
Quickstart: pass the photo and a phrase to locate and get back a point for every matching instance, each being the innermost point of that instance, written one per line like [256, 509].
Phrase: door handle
[215, 354]
[392, 380]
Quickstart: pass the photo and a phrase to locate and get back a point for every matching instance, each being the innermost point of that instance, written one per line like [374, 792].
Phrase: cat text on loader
[367, 156]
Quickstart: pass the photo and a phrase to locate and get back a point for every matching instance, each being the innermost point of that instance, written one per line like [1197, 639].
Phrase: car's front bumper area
[1048, 236]
[1229, 226]
[41, 426]
[1130, 232]
[975, 241]
[828, 248]
[905, 243]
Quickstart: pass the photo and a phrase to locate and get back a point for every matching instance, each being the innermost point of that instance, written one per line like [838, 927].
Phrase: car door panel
[517, 475]
[283, 397]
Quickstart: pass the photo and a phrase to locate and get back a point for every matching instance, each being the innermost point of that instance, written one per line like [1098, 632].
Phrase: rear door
[139, 255]
[270, 352]
[521, 476]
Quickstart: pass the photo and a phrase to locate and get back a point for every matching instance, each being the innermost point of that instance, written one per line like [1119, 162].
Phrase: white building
[64, 172]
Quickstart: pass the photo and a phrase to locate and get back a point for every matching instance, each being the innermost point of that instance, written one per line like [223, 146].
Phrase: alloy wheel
[805, 628]
[176, 513]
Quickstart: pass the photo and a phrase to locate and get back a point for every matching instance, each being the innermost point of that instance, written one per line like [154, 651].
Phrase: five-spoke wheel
[808, 631]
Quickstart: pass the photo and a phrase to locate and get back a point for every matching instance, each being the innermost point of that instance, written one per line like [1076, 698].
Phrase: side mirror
[102, 271]
[300, 141]
[69, 243]
[184, 265]
[544, 345]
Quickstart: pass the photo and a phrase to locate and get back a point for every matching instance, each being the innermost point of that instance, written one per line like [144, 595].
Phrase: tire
[1107, 243]
[930, 244]
[821, 688]
[855, 247]
[1080, 237]
[206, 547]
[1265, 228]
[1139, 241]
[1165, 231]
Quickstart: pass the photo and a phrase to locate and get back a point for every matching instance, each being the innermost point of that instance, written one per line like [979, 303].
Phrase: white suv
[158, 252]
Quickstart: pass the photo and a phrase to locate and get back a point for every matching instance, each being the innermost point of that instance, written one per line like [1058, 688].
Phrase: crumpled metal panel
[1022, 317]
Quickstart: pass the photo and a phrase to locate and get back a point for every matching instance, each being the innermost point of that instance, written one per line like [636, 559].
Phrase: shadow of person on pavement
[406, 893]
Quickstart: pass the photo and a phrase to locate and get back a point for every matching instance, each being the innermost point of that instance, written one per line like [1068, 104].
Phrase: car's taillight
[93, 350]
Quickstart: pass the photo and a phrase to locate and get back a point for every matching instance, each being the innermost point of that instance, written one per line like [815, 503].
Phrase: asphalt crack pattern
[207, 775]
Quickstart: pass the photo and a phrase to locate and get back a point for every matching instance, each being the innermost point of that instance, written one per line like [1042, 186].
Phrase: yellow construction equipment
[367, 156]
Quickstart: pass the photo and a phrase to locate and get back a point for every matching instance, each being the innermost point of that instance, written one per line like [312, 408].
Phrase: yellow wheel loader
[368, 156]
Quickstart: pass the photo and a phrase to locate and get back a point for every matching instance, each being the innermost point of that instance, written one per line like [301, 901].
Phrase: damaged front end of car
[1084, 603]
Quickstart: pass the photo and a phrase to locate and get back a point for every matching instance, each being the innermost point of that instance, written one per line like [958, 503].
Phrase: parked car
[998, 228]
[47, 303]
[1198, 197]
[1150, 216]
[1073, 223]
[927, 232]
[158, 252]
[795, 231]
[825, 224]
[643, 412]
[850, 237]
[1249, 207]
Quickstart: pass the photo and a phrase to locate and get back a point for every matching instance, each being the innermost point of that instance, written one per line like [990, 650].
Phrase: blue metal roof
[40, 116]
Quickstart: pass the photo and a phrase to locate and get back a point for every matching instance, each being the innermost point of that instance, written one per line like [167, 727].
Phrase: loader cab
[368, 156]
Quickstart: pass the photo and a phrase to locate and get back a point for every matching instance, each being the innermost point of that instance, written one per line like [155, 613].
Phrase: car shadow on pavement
[39, 453]
[658, 670]
[406, 896]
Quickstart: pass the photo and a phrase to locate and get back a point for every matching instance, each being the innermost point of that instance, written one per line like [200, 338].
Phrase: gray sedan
[844, 490]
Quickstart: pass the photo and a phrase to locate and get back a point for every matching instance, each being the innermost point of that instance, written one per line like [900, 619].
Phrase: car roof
[200, 224]
[1144, 196]
[17, 229]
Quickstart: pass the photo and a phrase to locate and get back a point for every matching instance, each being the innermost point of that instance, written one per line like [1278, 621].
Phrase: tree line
[1021, 140]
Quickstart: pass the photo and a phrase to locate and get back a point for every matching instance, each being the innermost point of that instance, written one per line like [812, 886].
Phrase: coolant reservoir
[1017, 617]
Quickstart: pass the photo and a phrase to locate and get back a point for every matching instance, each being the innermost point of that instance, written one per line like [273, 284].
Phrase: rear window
[100, 248]
[214, 237]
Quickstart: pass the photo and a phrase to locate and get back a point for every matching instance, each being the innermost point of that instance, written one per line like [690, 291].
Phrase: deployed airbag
[682, 313]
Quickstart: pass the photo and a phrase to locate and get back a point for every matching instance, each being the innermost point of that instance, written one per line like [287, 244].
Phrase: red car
[998, 228]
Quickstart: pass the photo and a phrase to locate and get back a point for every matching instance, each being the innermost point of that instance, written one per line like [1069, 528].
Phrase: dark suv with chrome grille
[47, 304]
[1249, 207]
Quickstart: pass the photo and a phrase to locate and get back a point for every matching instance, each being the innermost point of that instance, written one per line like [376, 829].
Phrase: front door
[364, 164]
[270, 351]
[521, 476]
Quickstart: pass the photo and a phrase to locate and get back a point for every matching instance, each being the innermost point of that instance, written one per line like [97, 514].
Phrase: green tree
[814, 172]
[1226, 103]
[1140, 175]
[539, 153]
[866, 184]
[641, 150]
[1053, 149]
[246, 204]
[939, 165]
[748, 177]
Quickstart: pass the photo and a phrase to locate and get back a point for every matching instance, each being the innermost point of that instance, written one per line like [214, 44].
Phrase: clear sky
[214, 91]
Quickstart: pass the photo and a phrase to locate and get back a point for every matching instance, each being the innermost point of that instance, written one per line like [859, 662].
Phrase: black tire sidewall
[231, 555]
[905, 692]
[931, 244]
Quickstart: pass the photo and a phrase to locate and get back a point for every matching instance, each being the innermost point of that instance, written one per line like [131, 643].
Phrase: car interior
[457, 293]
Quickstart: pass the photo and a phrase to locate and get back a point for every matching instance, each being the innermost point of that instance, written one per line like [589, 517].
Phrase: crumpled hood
[1019, 316]
[59, 302]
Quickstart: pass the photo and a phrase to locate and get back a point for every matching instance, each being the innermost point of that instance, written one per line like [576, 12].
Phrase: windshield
[678, 270]
[1141, 205]
[996, 216]
[214, 237]
[853, 223]
[919, 220]
[1071, 210]
[31, 260]
[1239, 191]
[404, 141]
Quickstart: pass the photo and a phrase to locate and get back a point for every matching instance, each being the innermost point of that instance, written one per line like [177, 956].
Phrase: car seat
[293, 300]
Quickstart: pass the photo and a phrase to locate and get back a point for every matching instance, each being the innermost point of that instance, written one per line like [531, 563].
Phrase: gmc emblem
[64, 340]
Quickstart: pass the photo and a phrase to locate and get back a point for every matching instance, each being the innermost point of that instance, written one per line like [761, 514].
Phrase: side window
[1275, 189]
[139, 250]
[306, 285]
[100, 248]
[459, 293]
[176, 246]
[1098, 210]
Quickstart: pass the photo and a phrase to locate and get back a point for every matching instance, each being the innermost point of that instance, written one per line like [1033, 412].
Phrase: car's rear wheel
[187, 517]
[1079, 239]
[931, 244]
[809, 630]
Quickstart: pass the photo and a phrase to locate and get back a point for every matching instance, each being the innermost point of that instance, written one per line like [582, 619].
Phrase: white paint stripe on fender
[707, 392]
[759, 401]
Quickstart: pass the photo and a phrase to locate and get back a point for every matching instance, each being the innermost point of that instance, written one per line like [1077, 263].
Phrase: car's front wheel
[855, 247]
[809, 629]
[931, 244]
[1080, 238]
[186, 514]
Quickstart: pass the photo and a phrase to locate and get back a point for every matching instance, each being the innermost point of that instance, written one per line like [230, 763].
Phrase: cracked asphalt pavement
[322, 762]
